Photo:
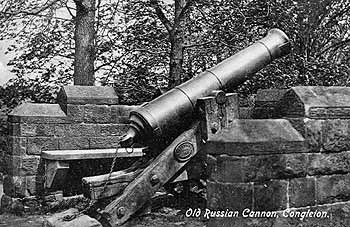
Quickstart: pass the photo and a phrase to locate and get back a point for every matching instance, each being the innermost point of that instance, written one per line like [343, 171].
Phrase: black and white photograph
[175, 113]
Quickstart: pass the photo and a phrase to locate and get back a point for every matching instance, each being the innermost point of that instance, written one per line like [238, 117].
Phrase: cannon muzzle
[171, 110]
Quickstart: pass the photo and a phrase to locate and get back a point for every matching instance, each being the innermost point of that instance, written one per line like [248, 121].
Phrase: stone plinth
[252, 161]
[316, 102]
[275, 165]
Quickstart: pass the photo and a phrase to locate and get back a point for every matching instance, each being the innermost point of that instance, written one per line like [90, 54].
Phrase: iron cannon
[164, 114]
[173, 115]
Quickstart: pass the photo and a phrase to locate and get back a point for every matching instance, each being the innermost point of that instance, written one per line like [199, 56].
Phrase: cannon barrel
[170, 110]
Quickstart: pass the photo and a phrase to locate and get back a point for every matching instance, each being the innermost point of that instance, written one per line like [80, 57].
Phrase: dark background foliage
[133, 45]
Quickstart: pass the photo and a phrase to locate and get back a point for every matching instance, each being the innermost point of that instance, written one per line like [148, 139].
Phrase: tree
[176, 34]
[42, 42]
[138, 50]
[84, 56]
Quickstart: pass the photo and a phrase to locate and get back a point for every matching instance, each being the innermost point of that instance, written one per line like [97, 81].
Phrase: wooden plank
[116, 177]
[93, 187]
[96, 193]
[140, 191]
[93, 153]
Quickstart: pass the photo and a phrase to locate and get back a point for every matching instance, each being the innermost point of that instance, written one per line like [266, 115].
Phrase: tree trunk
[176, 37]
[176, 60]
[84, 43]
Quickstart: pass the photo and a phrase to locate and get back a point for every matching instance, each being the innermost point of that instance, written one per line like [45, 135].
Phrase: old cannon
[164, 114]
[173, 115]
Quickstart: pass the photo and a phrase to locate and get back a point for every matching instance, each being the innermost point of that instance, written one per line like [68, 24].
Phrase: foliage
[43, 43]
[132, 44]
[319, 31]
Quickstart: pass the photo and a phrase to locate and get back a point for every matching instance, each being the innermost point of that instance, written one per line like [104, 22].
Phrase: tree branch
[198, 44]
[47, 5]
[69, 10]
[184, 10]
[161, 15]
[336, 46]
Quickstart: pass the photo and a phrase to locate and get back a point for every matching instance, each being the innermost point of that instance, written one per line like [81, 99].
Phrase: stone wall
[84, 118]
[296, 153]
[3, 136]
[300, 160]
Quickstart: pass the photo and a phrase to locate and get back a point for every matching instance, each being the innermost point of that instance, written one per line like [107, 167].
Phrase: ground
[174, 217]
[150, 220]
[171, 217]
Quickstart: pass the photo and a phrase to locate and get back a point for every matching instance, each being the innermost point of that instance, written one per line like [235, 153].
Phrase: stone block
[57, 220]
[269, 97]
[235, 169]
[302, 192]
[265, 103]
[75, 113]
[15, 186]
[67, 143]
[3, 123]
[311, 130]
[316, 102]
[336, 135]
[3, 145]
[122, 110]
[24, 165]
[76, 201]
[245, 112]
[226, 168]
[77, 129]
[16, 145]
[271, 195]
[54, 197]
[104, 142]
[233, 196]
[11, 205]
[23, 186]
[256, 137]
[87, 95]
[283, 166]
[37, 113]
[326, 164]
[13, 129]
[37, 144]
[263, 113]
[40, 129]
[30, 129]
[211, 170]
[32, 204]
[112, 129]
[97, 114]
[334, 188]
